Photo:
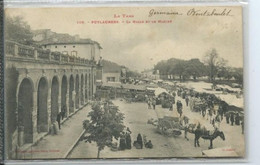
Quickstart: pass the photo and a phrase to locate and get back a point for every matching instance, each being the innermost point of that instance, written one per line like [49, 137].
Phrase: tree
[238, 75]
[179, 69]
[182, 68]
[106, 123]
[195, 68]
[16, 29]
[214, 63]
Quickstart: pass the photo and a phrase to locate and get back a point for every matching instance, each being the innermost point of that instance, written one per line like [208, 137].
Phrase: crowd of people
[211, 108]
[151, 102]
[125, 141]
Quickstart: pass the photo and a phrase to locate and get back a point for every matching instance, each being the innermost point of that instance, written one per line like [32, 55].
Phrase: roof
[159, 91]
[62, 42]
[63, 38]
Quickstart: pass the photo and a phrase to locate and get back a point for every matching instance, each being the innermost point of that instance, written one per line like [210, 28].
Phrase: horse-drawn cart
[169, 126]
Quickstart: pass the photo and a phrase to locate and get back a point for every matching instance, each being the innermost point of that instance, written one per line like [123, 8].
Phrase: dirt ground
[136, 117]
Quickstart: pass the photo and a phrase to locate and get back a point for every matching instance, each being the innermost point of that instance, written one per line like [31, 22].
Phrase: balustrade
[43, 54]
[55, 56]
[10, 48]
[23, 51]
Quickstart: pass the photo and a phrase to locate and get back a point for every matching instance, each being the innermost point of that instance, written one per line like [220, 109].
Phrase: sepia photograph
[124, 82]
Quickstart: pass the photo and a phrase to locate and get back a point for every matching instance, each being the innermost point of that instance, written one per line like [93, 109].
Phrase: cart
[169, 126]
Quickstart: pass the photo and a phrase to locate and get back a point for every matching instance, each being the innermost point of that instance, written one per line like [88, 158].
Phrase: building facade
[111, 76]
[39, 85]
[84, 49]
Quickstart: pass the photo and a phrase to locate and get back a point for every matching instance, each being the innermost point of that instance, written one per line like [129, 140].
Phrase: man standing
[58, 118]
[154, 103]
[187, 100]
[63, 112]
[232, 118]
[179, 107]
[227, 117]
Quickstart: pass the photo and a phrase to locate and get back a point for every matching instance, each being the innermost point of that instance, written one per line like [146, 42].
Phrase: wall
[83, 50]
[116, 75]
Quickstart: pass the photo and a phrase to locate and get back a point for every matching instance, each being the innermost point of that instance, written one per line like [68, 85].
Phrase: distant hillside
[109, 66]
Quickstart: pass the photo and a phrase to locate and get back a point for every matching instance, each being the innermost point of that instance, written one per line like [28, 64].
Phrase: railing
[26, 51]
[13, 49]
[43, 54]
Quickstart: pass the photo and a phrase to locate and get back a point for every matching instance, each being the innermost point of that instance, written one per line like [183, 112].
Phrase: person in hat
[58, 119]
[227, 115]
[187, 100]
[154, 103]
[179, 107]
[232, 118]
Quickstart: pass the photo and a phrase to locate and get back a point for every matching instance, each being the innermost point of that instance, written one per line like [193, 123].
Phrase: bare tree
[214, 63]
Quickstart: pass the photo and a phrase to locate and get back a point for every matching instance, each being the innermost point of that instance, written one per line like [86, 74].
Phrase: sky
[140, 46]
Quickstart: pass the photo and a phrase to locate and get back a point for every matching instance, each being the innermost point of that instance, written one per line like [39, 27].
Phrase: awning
[159, 91]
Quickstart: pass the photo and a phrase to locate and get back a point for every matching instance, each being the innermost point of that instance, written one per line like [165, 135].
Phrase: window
[56, 46]
[74, 46]
[45, 46]
[65, 52]
[74, 53]
[64, 46]
[111, 79]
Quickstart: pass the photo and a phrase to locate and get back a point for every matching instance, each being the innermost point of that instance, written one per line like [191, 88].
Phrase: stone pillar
[67, 103]
[94, 81]
[74, 100]
[34, 116]
[49, 106]
[89, 86]
[59, 97]
[83, 92]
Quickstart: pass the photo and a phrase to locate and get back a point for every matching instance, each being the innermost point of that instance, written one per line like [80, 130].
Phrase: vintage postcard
[124, 82]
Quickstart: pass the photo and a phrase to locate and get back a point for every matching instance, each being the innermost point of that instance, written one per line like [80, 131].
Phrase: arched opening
[64, 87]
[86, 87]
[71, 90]
[42, 108]
[25, 107]
[77, 91]
[54, 99]
[81, 90]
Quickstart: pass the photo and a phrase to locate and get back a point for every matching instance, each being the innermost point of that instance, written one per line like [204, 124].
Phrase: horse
[205, 135]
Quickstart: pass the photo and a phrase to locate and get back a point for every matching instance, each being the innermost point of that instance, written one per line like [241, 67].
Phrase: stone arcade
[39, 84]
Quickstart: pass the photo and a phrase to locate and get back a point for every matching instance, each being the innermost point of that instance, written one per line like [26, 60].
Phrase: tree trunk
[98, 154]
